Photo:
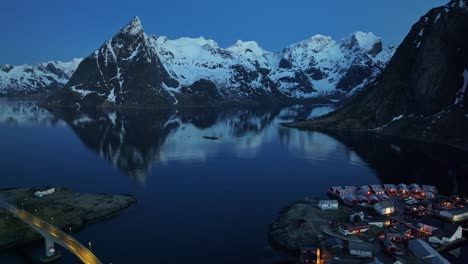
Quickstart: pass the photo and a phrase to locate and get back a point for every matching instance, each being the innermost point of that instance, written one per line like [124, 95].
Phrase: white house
[385, 208]
[361, 249]
[328, 204]
[41, 194]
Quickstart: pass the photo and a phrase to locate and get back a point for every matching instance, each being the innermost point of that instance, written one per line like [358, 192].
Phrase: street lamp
[52, 218]
[89, 244]
[69, 229]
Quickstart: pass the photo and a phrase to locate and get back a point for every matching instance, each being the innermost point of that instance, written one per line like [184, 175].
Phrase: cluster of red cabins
[402, 230]
[373, 194]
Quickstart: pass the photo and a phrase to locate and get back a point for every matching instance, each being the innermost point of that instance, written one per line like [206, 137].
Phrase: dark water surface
[200, 200]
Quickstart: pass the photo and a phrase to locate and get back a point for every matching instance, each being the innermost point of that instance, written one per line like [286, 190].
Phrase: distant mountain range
[35, 79]
[422, 93]
[134, 69]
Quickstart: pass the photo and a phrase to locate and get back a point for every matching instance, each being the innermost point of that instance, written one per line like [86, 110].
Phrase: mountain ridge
[421, 94]
[39, 78]
[196, 71]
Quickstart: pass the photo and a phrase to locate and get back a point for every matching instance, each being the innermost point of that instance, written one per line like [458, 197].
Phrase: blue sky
[35, 31]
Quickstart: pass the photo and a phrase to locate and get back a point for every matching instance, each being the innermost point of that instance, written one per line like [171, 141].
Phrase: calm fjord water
[200, 200]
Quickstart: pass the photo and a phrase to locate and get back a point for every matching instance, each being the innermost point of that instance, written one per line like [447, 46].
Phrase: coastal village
[382, 223]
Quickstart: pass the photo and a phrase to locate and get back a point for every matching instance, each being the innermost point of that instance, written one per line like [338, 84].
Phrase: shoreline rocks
[299, 224]
[64, 209]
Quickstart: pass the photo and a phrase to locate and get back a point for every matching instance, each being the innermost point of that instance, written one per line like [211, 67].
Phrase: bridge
[52, 235]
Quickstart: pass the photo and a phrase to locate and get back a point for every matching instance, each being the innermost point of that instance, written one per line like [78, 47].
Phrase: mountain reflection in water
[136, 140]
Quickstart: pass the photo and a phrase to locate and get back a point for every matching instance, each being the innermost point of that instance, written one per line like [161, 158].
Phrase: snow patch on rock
[461, 93]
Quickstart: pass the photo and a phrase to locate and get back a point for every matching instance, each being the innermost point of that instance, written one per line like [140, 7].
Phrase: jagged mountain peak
[125, 70]
[366, 42]
[246, 44]
[246, 47]
[318, 42]
[134, 27]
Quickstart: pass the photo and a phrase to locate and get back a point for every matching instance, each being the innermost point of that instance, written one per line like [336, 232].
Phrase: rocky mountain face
[422, 91]
[32, 79]
[123, 71]
[136, 70]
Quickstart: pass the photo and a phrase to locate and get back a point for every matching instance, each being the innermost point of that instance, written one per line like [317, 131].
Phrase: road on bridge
[57, 235]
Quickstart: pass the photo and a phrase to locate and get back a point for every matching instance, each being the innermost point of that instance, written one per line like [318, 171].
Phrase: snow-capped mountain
[125, 70]
[32, 79]
[421, 94]
[136, 70]
[330, 67]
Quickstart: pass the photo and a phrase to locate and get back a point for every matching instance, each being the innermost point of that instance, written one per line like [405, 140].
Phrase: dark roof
[400, 219]
[424, 251]
[361, 246]
[356, 224]
[386, 204]
[387, 243]
[402, 228]
[311, 248]
[458, 210]
[334, 242]
[394, 234]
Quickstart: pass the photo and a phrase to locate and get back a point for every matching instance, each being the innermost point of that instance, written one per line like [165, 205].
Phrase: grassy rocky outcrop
[64, 209]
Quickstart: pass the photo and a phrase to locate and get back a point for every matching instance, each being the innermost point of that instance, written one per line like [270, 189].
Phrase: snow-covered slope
[314, 67]
[137, 70]
[29, 79]
[235, 71]
[332, 67]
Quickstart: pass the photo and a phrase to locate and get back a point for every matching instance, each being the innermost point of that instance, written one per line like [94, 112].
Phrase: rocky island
[63, 208]
[384, 222]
